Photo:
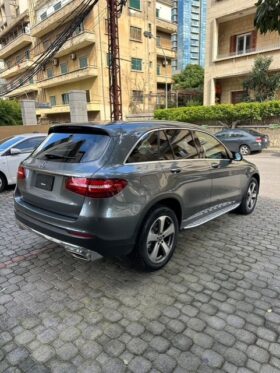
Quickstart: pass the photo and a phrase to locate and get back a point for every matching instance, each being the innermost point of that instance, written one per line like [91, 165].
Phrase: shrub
[225, 113]
[10, 113]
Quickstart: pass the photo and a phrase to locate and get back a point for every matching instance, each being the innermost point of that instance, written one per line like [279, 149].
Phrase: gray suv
[128, 188]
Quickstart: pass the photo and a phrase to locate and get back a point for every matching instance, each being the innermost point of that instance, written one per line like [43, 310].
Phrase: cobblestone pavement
[214, 308]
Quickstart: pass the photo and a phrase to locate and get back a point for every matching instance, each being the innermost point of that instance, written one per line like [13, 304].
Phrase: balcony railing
[46, 108]
[252, 51]
[19, 42]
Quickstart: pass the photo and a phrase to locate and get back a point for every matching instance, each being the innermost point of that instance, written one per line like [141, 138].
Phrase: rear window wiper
[58, 156]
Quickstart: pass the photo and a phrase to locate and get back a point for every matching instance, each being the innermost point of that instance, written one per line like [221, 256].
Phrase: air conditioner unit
[55, 61]
[164, 63]
[73, 56]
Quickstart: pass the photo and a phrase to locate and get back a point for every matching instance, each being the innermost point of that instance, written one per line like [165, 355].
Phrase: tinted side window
[30, 144]
[223, 135]
[237, 135]
[154, 147]
[183, 144]
[212, 148]
[146, 150]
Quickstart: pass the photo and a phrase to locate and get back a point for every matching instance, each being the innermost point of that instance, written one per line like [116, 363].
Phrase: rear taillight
[258, 139]
[21, 173]
[95, 188]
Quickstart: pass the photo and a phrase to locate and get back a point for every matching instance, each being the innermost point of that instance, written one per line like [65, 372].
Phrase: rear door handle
[175, 170]
[215, 165]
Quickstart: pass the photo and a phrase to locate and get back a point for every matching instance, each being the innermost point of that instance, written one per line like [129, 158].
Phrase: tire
[157, 239]
[248, 203]
[244, 149]
[3, 182]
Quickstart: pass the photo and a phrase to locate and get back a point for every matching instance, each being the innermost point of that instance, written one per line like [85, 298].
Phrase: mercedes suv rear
[129, 187]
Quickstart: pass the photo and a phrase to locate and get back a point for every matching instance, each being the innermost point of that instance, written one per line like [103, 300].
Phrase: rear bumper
[83, 247]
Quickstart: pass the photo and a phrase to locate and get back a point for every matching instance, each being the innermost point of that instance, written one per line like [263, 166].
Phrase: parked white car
[13, 150]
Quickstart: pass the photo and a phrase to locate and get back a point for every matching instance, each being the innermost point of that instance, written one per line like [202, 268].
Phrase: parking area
[214, 308]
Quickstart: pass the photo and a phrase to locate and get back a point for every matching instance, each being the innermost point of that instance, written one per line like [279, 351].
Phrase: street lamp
[149, 35]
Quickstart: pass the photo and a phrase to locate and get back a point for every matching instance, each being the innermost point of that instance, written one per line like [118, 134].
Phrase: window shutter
[254, 40]
[232, 47]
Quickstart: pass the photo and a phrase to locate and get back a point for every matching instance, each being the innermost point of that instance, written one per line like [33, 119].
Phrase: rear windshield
[6, 143]
[72, 147]
[252, 132]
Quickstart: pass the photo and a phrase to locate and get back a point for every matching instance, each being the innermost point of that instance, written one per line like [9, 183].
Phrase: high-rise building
[146, 52]
[191, 32]
[233, 44]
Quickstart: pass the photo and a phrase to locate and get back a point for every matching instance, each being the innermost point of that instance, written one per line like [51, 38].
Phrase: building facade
[146, 30]
[191, 32]
[233, 44]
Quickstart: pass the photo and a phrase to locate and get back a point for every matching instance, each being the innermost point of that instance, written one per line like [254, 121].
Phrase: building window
[243, 43]
[18, 59]
[57, 6]
[65, 98]
[135, 4]
[64, 68]
[109, 59]
[53, 100]
[137, 96]
[135, 33]
[149, 27]
[158, 41]
[158, 69]
[136, 64]
[46, 44]
[43, 16]
[79, 29]
[157, 12]
[27, 54]
[88, 95]
[49, 73]
[83, 62]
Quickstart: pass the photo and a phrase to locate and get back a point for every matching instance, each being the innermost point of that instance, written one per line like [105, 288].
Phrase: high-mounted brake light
[21, 173]
[95, 188]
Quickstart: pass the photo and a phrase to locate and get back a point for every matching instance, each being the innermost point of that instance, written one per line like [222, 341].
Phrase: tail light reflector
[258, 139]
[95, 188]
[21, 173]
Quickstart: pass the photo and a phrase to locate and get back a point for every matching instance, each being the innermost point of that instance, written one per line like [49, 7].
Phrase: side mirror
[237, 156]
[15, 151]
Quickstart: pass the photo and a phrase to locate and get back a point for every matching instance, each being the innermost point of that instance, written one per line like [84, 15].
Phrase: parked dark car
[243, 140]
[128, 188]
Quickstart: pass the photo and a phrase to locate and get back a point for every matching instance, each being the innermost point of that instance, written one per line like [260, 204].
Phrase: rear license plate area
[44, 182]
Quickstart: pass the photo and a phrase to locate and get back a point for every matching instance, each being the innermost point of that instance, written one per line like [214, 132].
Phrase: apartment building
[191, 33]
[231, 49]
[146, 48]
[15, 44]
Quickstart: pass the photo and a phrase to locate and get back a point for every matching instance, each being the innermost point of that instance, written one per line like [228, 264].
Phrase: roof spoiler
[78, 128]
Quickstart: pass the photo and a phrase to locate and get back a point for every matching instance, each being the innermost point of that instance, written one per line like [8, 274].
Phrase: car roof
[119, 128]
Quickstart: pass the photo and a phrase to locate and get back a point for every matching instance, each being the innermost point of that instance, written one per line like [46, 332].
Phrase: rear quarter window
[72, 147]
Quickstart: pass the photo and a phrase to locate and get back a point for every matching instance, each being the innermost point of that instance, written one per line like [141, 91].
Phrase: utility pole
[114, 12]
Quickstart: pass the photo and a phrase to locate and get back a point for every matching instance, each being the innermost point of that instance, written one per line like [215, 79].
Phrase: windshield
[8, 142]
[72, 147]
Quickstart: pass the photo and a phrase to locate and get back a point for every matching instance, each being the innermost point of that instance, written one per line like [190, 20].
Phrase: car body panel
[111, 225]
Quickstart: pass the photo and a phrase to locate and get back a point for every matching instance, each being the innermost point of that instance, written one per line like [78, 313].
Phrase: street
[214, 308]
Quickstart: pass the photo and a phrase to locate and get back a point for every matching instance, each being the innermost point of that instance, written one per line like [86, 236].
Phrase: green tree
[268, 16]
[10, 113]
[192, 77]
[261, 84]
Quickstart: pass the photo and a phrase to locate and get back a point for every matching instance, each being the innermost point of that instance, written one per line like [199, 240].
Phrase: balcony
[79, 41]
[15, 45]
[164, 52]
[91, 106]
[66, 13]
[163, 79]
[240, 64]
[17, 69]
[166, 26]
[32, 87]
[70, 77]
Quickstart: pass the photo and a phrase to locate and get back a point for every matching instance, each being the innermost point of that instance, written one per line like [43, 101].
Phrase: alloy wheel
[252, 195]
[160, 239]
[244, 149]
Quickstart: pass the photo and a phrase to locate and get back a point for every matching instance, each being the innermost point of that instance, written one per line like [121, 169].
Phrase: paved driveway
[214, 308]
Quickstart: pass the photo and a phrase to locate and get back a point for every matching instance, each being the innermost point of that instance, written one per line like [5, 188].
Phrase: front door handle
[175, 170]
[215, 165]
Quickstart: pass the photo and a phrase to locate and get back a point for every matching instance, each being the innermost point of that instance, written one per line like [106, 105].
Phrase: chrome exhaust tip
[79, 252]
